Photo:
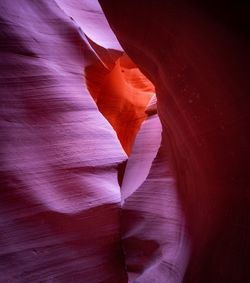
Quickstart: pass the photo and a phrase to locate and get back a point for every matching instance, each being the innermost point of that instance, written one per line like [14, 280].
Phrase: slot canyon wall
[60, 197]
[197, 56]
[102, 181]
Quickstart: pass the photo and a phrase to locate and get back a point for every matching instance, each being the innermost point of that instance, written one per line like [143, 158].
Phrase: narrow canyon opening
[126, 98]
[122, 94]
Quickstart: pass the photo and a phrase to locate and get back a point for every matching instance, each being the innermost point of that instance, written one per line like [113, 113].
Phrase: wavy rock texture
[155, 238]
[182, 214]
[60, 198]
[90, 18]
[144, 151]
[198, 58]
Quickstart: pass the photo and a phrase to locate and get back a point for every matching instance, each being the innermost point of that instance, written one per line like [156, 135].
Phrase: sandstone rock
[197, 56]
[59, 198]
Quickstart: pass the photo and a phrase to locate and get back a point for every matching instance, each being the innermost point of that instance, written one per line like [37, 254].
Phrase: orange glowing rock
[122, 95]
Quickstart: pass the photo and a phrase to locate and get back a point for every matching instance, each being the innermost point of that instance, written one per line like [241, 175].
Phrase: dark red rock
[198, 59]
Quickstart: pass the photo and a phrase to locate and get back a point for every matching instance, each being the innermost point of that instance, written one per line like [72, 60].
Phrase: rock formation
[197, 56]
[124, 160]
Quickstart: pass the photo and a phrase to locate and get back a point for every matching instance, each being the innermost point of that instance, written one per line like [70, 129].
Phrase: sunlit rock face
[121, 94]
[106, 178]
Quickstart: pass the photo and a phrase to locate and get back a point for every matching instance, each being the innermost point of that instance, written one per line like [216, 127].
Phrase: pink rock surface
[185, 197]
[144, 151]
[155, 238]
[60, 198]
[89, 17]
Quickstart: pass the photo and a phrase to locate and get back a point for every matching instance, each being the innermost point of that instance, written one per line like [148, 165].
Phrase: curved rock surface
[154, 234]
[144, 151]
[197, 55]
[182, 212]
[121, 94]
[60, 198]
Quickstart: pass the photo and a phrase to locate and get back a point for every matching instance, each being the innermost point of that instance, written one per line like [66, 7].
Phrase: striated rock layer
[154, 234]
[59, 194]
[183, 209]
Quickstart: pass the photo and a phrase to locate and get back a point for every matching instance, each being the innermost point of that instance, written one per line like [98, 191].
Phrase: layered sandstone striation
[59, 195]
[107, 177]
